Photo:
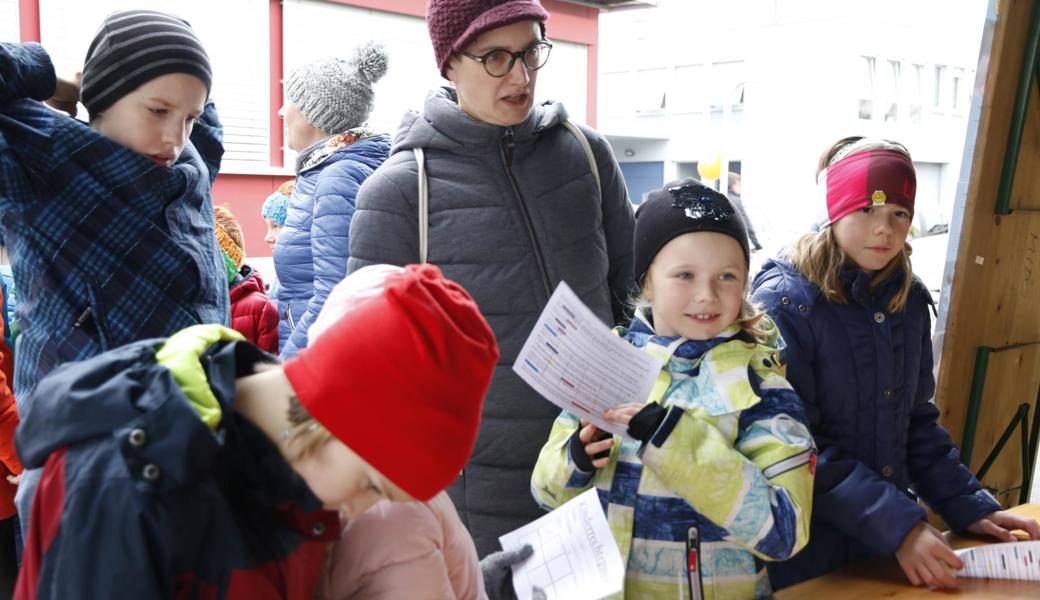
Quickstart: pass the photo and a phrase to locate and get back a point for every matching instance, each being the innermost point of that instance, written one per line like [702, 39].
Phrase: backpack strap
[584, 143]
[424, 204]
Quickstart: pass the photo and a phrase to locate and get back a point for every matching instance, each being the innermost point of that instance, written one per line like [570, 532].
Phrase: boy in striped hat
[109, 226]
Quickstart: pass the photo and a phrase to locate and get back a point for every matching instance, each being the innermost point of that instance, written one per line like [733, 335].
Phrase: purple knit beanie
[454, 24]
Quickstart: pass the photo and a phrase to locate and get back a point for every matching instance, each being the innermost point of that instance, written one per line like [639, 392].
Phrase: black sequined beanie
[133, 47]
[682, 207]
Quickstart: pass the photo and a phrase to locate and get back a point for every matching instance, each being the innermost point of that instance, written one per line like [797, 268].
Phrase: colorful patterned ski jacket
[731, 464]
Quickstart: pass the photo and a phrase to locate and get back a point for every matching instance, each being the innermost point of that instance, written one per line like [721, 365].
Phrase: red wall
[245, 194]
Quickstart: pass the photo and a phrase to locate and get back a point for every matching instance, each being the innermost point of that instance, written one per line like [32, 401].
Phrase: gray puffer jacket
[513, 212]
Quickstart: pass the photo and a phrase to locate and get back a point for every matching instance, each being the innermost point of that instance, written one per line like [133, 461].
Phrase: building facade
[253, 44]
[767, 84]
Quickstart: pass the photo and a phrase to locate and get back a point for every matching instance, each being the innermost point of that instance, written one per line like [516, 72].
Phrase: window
[956, 83]
[866, 87]
[615, 97]
[726, 79]
[937, 85]
[239, 62]
[689, 89]
[915, 93]
[650, 89]
[891, 91]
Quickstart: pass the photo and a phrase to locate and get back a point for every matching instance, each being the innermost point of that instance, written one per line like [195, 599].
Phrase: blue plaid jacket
[107, 247]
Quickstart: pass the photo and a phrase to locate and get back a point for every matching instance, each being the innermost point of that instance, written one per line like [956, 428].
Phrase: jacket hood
[443, 126]
[771, 269]
[247, 282]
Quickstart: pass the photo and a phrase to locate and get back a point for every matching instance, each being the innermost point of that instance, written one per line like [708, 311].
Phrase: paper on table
[574, 361]
[575, 555]
[1013, 560]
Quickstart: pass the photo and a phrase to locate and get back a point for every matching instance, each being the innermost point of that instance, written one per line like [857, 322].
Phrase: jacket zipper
[288, 317]
[507, 160]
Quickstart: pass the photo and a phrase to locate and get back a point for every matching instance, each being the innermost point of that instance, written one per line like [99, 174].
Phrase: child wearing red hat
[859, 354]
[202, 468]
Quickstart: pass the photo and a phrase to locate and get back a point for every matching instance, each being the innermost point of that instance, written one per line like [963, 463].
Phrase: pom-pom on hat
[682, 207]
[133, 47]
[277, 204]
[417, 357]
[455, 24]
[335, 95]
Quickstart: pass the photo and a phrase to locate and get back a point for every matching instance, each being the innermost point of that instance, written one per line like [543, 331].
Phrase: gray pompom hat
[334, 94]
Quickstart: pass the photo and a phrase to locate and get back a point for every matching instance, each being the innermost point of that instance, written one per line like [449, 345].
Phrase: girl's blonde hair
[819, 258]
[752, 319]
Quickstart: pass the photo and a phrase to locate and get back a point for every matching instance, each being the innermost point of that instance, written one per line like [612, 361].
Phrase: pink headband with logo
[869, 178]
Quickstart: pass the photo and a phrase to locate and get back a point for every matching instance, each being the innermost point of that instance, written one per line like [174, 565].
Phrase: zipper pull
[82, 318]
[507, 146]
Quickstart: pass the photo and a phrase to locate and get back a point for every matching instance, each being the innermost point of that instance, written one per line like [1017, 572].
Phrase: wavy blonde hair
[821, 260]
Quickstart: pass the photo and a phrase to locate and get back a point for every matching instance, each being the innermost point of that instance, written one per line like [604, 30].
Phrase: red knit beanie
[455, 24]
[401, 379]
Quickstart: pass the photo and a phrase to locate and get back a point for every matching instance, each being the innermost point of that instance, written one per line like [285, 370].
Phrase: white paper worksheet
[573, 360]
[575, 556]
[1014, 560]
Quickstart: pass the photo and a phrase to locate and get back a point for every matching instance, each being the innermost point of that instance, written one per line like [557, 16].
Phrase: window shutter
[235, 35]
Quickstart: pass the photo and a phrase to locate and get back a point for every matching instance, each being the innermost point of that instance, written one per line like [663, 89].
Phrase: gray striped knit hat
[133, 47]
[335, 95]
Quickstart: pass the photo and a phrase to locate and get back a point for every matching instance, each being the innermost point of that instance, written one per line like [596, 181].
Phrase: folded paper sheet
[575, 556]
[575, 361]
[1014, 560]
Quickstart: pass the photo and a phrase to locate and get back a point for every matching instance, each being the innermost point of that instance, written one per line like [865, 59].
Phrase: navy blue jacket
[311, 254]
[139, 499]
[865, 376]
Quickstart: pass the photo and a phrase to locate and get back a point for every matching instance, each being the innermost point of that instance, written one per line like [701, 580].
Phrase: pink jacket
[409, 550]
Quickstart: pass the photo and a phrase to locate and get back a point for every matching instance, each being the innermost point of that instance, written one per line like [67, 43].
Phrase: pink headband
[869, 178]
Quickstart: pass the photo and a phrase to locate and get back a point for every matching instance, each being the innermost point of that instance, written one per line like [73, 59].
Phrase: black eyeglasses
[498, 63]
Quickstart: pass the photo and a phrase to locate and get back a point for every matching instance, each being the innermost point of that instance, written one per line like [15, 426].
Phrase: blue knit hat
[275, 206]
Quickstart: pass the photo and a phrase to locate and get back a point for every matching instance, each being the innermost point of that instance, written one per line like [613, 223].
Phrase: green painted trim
[1021, 416]
[1026, 77]
[971, 420]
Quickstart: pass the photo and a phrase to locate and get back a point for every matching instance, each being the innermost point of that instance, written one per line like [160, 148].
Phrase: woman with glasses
[516, 206]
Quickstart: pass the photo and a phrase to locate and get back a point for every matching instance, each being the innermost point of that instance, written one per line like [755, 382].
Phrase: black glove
[577, 450]
[497, 569]
[645, 422]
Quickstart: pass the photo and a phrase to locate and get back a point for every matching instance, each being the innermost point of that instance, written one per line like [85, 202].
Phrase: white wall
[9, 29]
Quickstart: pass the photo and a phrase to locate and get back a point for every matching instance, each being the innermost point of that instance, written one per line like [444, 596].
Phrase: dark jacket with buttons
[865, 376]
[139, 499]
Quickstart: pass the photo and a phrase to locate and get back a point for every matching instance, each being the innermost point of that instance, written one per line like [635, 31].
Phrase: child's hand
[927, 559]
[623, 413]
[642, 420]
[999, 525]
[14, 479]
[66, 95]
[597, 443]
